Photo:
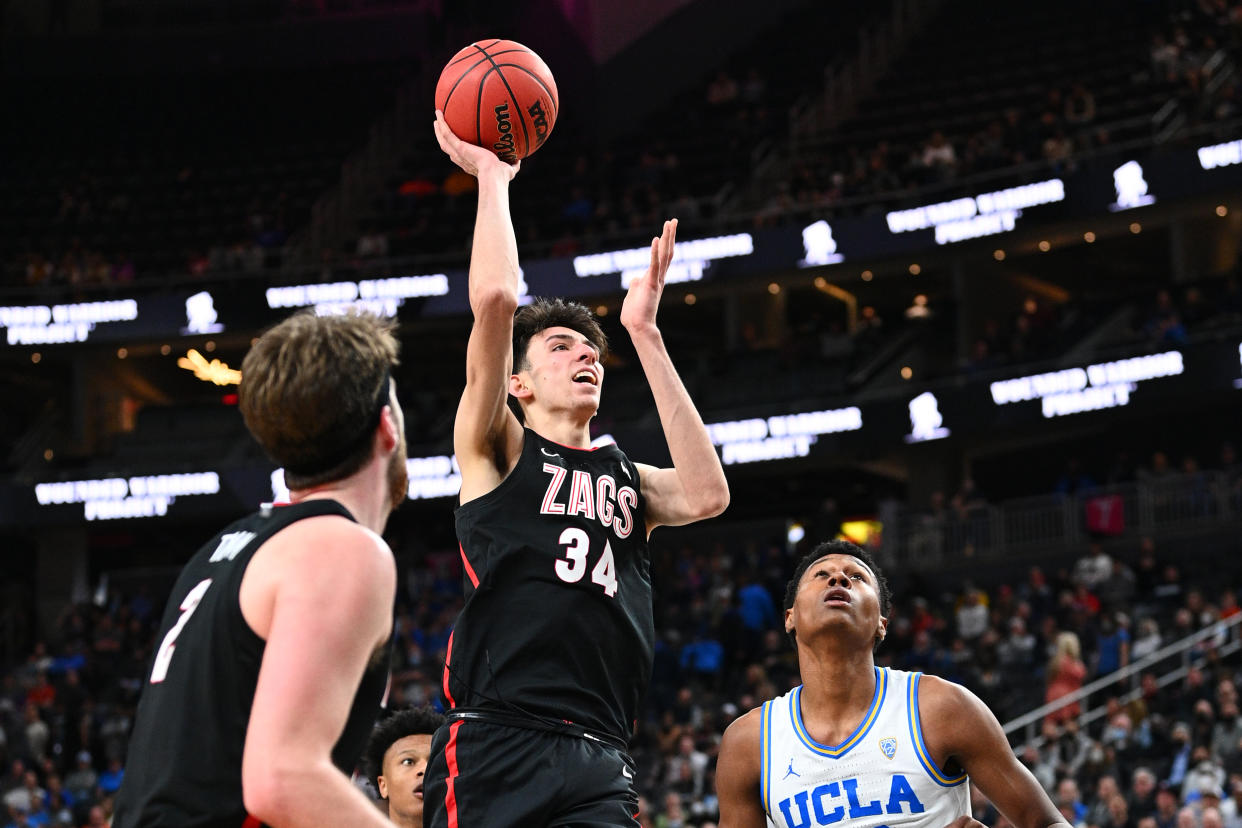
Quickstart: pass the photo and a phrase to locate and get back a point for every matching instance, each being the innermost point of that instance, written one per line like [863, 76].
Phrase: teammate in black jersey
[551, 655]
[273, 652]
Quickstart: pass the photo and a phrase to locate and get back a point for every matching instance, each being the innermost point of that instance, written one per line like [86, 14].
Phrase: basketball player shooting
[862, 745]
[274, 643]
[551, 655]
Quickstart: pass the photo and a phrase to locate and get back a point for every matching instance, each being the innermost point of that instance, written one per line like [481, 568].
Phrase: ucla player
[551, 654]
[859, 745]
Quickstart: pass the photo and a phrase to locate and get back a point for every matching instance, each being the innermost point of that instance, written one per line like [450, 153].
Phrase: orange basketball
[500, 95]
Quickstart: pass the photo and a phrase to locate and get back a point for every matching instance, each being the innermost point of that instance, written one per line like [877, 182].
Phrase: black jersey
[557, 621]
[185, 754]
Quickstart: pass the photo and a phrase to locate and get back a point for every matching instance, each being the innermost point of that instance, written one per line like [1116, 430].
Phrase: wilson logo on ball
[504, 147]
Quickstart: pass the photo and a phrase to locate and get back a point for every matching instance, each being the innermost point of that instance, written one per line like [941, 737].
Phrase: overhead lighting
[214, 371]
[915, 270]
[867, 275]
[774, 288]
[691, 298]
[1222, 210]
[121, 353]
[1136, 228]
[1045, 246]
[1088, 237]
[36, 357]
[999, 255]
[906, 372]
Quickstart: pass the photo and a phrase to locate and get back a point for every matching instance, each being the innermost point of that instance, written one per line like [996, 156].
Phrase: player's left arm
[695, 487]
[959, 730]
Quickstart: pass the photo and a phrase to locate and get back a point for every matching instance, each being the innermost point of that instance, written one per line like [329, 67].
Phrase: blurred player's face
[562, 373]
[837, 593]
[398, 476]
[401, 784]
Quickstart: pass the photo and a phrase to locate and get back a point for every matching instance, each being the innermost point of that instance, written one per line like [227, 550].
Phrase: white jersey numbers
[570, 569]
[163, 658]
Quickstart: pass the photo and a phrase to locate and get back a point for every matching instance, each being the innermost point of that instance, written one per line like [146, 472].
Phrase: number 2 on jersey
[159, 669]
[572, 567]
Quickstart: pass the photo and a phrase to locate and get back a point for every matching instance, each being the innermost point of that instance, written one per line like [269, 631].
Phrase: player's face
[837, 592]
[398, 477]
[405, 762]
[563, 370]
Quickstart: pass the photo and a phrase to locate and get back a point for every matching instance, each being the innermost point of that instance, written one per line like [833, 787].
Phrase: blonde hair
[312, 390]
[1067, 645]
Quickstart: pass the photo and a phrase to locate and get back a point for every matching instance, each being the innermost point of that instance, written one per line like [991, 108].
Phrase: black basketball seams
[460, 78]
[490, 54]
[552, 96]
[478, 109]
[521, 115]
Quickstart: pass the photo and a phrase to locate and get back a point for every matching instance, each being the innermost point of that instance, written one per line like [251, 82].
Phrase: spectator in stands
[938, 158]
[1065, 675]
[1079, 106]
[1142, 797]
[722, 91]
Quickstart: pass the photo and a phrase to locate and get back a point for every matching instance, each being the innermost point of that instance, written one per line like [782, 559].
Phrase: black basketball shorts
[487, 774]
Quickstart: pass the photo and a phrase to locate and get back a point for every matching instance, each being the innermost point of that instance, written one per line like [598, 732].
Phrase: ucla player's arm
[320, 594]
[737, 774]
[960, 731]
[487, 438]
[695, 488]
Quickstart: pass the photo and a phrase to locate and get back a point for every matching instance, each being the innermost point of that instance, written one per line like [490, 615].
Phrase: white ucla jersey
[881, 776]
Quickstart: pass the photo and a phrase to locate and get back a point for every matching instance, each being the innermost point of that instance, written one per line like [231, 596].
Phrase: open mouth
[837, 595]
[586, 376]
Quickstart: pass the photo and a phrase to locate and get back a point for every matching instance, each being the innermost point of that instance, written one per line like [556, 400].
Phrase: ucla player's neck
[836, 692]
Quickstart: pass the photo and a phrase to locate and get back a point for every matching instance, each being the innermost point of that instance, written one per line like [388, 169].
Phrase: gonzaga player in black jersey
[273, 648]
[551, 655]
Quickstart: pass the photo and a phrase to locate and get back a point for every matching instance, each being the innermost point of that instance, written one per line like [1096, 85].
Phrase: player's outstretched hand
[965, 822]
[643, 299]
[470, 158]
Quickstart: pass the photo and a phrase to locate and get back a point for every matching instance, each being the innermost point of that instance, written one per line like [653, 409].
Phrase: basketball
[500, 95]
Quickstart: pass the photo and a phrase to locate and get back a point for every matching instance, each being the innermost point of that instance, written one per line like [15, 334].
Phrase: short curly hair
[837, 547]
[408, 721]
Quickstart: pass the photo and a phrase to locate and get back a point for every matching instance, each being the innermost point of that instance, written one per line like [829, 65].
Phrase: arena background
[957, 279]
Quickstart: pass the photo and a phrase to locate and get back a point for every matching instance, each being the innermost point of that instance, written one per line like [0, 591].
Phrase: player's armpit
[958, 729]
[737, 774]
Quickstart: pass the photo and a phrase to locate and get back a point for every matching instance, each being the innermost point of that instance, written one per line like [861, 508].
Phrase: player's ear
[882, 630]
[518, 386]
[382, 784]
[390, 431]
[789, 625]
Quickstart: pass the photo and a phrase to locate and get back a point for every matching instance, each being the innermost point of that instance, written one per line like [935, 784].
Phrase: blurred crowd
[1172, 753]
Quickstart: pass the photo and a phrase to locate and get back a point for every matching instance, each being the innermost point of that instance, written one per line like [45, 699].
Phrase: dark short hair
[408, 721]
[837, 547]
[544, 313]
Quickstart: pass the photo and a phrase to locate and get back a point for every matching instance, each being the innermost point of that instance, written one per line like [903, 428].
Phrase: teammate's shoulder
[333, 536]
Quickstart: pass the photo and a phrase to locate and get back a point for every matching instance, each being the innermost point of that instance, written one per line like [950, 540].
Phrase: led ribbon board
[381, 297]
[780, 437]
[974, 217]
[690, 259]
[1096, 387]
[136, 497]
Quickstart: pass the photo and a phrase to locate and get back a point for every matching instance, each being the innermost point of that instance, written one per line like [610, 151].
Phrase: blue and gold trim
[877, 701]
[916, 737]
[765, 746]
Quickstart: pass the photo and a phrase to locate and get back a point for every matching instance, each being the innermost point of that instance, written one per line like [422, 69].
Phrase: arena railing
[1176, 503]
[1220, 638]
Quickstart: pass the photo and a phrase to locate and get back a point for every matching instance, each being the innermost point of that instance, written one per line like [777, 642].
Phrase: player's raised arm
[695, 487]
[737, 774]
[486, 435]
[321, 630]
[959, 727]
